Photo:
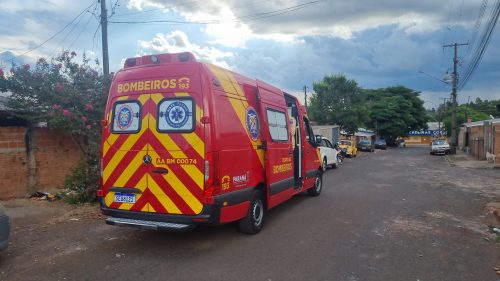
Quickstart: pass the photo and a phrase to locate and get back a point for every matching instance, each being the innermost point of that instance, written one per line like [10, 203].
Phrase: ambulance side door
[312, 155]
[279, 156]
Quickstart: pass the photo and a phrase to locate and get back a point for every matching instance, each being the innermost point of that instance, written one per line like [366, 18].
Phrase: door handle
[160, 171]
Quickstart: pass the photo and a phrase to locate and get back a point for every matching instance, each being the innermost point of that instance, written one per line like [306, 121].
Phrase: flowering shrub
[69, 96]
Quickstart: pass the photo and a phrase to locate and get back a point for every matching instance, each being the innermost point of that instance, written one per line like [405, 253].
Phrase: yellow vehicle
[349, 147]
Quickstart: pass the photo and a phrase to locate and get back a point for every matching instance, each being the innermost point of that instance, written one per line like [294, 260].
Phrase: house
[481, 139]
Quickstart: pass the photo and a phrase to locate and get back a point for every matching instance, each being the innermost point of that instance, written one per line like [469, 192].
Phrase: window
[277, 125]
[324, 143]
[329, 144]
[176, 115]
[126, 117]
[309, 132]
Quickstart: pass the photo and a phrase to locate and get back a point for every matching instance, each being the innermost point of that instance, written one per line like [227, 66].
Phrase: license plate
[125, 198]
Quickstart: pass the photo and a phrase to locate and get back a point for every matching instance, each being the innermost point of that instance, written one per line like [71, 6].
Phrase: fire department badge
[124, 117]
[252, 121]
[177, 114]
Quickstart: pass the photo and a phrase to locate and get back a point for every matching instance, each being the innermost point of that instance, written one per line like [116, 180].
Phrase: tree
[472, 114]
[69, 96]
[336, 100]
[395, 111]
[487, 107]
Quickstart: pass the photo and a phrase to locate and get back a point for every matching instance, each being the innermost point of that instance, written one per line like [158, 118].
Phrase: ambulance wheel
[254, 220]
[318, 185]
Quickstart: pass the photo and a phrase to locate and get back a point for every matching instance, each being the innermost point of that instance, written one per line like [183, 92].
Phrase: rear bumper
[440, 150]
[210, 214]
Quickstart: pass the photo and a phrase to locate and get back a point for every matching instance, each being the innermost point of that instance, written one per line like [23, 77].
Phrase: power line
[56, 34]
[481, 48]
[250, 17]
[90, 14]
[81, 31]
[477, 25]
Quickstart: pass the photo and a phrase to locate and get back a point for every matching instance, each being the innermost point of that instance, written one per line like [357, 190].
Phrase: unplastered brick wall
[54, 153]
[496, 141]
[13, 162]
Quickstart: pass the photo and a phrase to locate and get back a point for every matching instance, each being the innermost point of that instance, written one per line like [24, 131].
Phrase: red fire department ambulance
[187, 143]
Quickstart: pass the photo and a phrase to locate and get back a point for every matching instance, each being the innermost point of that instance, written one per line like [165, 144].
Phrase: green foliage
[82, 183]
[487, 107]
[461, 110]
[395, 111]
[337, 101]
[69, 96]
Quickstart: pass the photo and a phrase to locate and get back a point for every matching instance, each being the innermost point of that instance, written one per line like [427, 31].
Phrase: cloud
[178, 41]
[341, 19]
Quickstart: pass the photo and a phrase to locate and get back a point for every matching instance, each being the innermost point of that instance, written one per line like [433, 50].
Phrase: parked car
[350, 149]
[365, 145]
[328, 153]
[440, 147]
[4, 229]
[401, 143]
[381, 144]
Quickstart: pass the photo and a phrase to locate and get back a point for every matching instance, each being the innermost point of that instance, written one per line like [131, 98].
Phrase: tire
[254, 220]
[335, 165]
[325, 164]
[318, 185]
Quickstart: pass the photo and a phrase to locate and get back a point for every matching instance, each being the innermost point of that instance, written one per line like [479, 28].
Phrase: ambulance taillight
[211, 185]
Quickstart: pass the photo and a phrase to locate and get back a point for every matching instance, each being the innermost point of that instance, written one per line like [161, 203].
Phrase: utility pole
[454, 83]
[441, 115]
[305, 97]
[104, 31]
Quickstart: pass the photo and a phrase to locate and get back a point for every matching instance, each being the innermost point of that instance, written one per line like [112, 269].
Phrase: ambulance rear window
[176, 115]
[126, 117]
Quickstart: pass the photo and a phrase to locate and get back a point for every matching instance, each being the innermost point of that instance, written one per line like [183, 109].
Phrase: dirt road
[399, 214]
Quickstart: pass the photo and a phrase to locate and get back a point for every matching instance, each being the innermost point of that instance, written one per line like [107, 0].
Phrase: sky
[290, 44]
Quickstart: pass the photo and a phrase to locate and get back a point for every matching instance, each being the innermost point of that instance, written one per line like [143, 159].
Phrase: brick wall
[55, 154]
[476, 142]
[496, 141]
[13, 162]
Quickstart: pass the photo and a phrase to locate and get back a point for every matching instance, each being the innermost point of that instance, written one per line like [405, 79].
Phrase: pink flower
[73, 54]
[56, 107]
[88, 127]
[59, 65]
[38, 75]
[84, 119]
[66, 112]
[89, 107]
[1, 72]
[59, 87]
[26, 67]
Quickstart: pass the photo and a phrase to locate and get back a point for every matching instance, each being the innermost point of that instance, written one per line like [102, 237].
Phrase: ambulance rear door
[125, 146]
[176, 143]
